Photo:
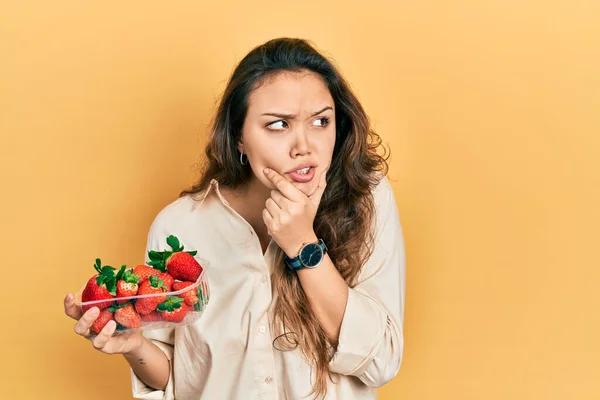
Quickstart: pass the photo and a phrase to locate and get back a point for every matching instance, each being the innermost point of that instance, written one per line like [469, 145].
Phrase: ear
[240, 146]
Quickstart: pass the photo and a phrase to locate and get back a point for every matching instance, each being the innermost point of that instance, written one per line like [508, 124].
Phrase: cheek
[258, 168]
[329, 140]
[266, 182]
[327, 146]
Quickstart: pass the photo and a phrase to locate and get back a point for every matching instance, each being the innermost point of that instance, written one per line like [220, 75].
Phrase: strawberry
[127, 285]
[101, 321]
[127, 316]
[190, 297]
[180, 264]
[144, 271]
[167, 279]
[173, 309]
[183, 266]
[102, 286]
[152, 285]
[152, 317]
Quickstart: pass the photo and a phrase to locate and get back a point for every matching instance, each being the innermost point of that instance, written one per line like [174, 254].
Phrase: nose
[301, 146]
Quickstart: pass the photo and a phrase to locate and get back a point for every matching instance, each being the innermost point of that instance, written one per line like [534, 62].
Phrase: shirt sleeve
[371, 341]
[163, 338]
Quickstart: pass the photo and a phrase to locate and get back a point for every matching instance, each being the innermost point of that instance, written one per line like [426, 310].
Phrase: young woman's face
[290, 126]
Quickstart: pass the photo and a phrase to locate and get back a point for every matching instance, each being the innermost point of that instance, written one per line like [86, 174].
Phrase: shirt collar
[212, 187]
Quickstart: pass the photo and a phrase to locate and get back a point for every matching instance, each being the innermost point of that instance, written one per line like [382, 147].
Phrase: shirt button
[262, 329]
[268, 379]
[263, 278]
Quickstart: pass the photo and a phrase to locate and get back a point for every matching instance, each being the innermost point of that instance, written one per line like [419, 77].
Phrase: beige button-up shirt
[228, 353]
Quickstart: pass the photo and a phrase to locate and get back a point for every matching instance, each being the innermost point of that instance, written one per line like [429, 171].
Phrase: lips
[301, 166]
[303, 178]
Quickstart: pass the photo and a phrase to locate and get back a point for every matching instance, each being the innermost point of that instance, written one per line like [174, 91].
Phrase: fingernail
[95, 311]
[266, 171]
[69, 297]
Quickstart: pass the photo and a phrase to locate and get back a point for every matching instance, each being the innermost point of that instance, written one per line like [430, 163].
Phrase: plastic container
[156, 319]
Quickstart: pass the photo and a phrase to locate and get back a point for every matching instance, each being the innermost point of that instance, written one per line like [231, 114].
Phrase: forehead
[290, 92]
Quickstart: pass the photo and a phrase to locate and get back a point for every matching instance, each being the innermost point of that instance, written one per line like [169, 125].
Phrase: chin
[308, 188]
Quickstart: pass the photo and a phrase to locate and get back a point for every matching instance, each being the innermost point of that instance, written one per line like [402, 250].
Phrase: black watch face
[311, 255]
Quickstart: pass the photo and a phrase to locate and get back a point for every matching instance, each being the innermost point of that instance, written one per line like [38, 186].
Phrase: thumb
[315, 198]
[71, 309]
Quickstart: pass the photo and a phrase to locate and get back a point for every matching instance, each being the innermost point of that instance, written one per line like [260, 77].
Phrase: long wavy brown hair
[346, 209]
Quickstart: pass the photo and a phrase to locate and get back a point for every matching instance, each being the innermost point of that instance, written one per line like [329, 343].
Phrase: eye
[277, 125]
[322, 121]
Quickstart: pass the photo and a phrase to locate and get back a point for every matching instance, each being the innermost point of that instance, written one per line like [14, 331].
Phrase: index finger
[71, 309]
[82, 327]
[285, 187]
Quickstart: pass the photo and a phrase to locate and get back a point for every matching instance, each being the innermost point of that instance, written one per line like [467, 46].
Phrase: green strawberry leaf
[160, 265]
[108, 270]
[115, 306]
[155, 255]
[155, 262]
[98, 265]
[111, 286]
[172, 303]
[156, 282]
[130, 277]
[120, 273]
[192, 253]
[173, 242]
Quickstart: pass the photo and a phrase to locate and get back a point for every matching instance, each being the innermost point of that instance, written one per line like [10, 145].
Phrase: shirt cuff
[142, 391]
[361, 334]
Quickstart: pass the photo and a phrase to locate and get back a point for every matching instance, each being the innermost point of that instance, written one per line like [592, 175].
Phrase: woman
[300, 225]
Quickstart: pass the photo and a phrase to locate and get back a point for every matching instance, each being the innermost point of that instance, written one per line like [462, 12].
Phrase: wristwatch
[310, 256]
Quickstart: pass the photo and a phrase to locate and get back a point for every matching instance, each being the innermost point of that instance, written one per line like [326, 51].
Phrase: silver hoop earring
[242, 159]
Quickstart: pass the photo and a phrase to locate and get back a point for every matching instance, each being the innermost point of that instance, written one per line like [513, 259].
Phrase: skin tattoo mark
[141, 361]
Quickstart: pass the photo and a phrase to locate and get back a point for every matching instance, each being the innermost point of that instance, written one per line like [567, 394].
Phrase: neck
[249, 201]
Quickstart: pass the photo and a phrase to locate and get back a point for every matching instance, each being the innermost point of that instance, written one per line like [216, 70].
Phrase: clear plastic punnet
[156, 295]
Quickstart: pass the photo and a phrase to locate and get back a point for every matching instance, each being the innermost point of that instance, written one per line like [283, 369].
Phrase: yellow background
[491, 109]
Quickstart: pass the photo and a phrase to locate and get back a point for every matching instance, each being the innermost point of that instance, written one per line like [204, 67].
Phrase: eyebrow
[292, 116]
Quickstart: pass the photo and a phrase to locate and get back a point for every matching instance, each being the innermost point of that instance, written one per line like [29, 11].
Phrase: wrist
[137, 348]
[293, 249]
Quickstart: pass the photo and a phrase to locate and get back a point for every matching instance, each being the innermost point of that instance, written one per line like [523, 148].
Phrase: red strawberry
[144, 271]
[128, 317]
[127, 285]
[102, 286]
[152, 285]
[180, 264]
[101, 321]
[167, 279]
[152, 317]
[173, 309]
[190, 297]
[183, 266]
